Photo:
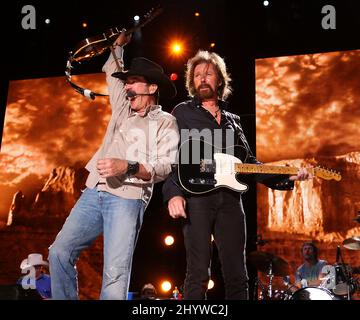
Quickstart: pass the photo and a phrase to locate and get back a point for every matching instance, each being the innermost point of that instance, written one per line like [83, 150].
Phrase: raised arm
[115, 63]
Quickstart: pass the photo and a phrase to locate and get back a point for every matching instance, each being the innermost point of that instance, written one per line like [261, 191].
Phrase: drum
[281, 295]
[343, 280]
[276, 295]
[338, 279]
[313, 293]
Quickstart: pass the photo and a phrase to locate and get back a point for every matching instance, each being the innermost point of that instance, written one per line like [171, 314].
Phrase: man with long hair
[219, 212]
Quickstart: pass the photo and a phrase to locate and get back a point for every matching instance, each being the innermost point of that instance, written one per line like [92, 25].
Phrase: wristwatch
[133, 168]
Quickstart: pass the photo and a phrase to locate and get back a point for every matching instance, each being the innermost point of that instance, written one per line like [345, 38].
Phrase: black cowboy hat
[152, 72]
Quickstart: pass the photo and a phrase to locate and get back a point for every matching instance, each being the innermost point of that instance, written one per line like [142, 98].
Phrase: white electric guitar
[202, 168]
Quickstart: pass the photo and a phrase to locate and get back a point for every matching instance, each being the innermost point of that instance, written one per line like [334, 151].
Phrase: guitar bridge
[202, 181]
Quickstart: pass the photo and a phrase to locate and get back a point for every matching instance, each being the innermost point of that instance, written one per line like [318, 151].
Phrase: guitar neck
[133, 29]
[149, 16]
[255, 168]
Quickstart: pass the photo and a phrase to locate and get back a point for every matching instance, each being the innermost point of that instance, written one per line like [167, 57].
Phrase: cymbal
[352, 243]
[357, 219]
[261, 260]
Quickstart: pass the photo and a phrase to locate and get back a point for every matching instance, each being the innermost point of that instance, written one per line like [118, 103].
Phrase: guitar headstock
[150, 15]
[327, 174]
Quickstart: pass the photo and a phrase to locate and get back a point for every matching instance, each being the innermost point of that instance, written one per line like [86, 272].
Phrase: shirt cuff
[149, 168]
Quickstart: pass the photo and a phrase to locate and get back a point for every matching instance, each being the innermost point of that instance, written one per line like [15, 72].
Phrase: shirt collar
[196, 102]
[152, 111]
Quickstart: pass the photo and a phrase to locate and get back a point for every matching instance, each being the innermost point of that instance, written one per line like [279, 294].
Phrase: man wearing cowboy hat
[35, 268]
[148, 292]
[138, 149]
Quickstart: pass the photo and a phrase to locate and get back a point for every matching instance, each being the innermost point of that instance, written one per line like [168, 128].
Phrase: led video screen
[307, 114]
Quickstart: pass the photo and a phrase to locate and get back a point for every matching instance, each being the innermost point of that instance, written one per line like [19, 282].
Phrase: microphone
[85, 92]
[132, 94]
[89, 94]
[338, 254]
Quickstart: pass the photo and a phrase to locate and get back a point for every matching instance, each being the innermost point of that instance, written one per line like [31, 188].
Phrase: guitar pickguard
[225, 175]
[204, 168]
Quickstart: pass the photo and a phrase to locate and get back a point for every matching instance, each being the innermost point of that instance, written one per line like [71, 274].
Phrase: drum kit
[337, 282]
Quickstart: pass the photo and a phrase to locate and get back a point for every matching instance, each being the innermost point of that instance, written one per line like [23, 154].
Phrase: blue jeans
[94, 213]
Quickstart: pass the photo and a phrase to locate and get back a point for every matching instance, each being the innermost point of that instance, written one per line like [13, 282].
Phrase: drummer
[309, 273]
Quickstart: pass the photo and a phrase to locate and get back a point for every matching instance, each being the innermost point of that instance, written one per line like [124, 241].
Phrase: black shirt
[191, 115]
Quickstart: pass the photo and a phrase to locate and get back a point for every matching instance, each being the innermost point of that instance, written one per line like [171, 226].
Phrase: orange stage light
[166, 286]
[176, 48]
[211, 284]
[169, 240]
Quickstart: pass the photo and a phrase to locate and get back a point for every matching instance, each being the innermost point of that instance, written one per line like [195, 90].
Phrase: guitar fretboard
[255, 168]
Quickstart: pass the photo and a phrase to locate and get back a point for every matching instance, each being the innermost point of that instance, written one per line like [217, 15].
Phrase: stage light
[84, 24]
[212, 44]
[166, 286]
[176, 48]
[173, 77]
[169, 240]
[197, 14]
[266, 3]
[47, 21]
[136, 18]
[211, 284]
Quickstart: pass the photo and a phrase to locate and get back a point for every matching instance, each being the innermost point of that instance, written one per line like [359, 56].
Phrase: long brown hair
[224, 90]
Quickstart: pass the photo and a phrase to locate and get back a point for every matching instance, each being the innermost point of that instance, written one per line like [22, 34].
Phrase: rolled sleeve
[116, 89]
[277, 182]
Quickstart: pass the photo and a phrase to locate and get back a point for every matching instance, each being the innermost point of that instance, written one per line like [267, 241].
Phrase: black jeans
[219, 213]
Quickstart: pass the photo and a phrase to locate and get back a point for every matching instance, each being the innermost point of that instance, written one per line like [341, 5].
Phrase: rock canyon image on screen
[307, 113]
